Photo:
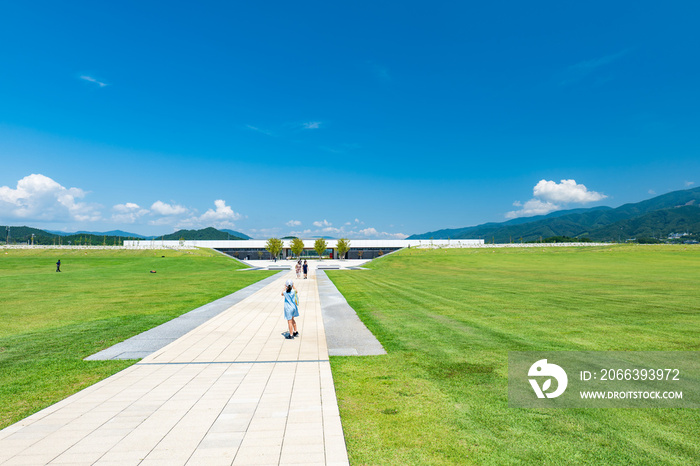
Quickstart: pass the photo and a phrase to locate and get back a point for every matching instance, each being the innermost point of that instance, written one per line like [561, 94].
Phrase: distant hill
[656, 224]
[204, 234]
[121, 233]
[492, 228]
[124, 234]
[237, 233]
[23, 234]
[654, 217]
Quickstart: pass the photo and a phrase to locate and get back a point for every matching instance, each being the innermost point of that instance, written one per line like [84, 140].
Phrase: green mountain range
[675, 212]
[204, 234]
[23, 234]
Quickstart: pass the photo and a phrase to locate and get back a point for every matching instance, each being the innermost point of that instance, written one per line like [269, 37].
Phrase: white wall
[308, 243]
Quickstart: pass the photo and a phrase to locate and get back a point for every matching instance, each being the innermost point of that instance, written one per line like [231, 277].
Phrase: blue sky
[356, 119]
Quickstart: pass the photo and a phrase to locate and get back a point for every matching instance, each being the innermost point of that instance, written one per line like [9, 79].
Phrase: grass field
[448, 319]
[50, 321]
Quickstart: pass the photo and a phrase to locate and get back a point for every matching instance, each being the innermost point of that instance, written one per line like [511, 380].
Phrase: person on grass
[291, 308]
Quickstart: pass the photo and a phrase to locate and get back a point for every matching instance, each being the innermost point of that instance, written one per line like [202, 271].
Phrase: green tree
[343, 247]
[297, 247]
[320, 245]
[274, 246]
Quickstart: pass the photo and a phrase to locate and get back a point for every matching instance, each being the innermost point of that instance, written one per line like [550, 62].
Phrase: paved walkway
[231, 391]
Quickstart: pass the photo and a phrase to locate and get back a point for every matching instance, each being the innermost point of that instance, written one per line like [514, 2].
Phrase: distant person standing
[58, 266]
[291, 308]
[298, 268]
[306, 270]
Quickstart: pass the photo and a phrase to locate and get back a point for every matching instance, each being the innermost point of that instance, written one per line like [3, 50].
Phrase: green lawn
[448, 319]
[50, 321]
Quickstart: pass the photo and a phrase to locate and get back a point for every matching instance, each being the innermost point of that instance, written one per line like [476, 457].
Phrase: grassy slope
[50, 321]
[448, 319]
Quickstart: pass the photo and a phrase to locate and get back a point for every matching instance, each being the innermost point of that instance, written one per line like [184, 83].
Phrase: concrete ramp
[346, 335]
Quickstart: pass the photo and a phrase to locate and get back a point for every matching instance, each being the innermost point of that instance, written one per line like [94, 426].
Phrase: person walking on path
[58, 266]
[291, 308]
[298, 268]
[306, 270]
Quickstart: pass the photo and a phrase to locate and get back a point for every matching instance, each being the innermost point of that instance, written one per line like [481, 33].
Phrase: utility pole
[8, 234]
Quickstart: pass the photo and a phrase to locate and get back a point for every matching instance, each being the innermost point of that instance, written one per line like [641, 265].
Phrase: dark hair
[289, 288]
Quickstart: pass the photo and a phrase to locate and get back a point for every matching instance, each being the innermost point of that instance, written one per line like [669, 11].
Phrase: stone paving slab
[231, 391]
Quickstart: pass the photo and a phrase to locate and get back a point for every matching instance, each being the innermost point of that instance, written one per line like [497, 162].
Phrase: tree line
[275, 245]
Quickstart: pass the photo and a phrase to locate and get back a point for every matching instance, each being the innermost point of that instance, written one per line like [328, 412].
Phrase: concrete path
[150, 341]
[346, 335]
[231, 391]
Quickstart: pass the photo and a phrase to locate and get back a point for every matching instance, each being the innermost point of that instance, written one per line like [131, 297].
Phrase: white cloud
[162, 208]
[373, 233]
[565, 192]
[93, 80]
[651, 191]
[38, 197]
[311, 125]
[223, 213]
[128, 207]
[689, 183]
[534, 207]
[346, 230]
[551, 196]
[293, 223]
[306, 232]
[222, 216]
[264, 233]
[128, 213]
